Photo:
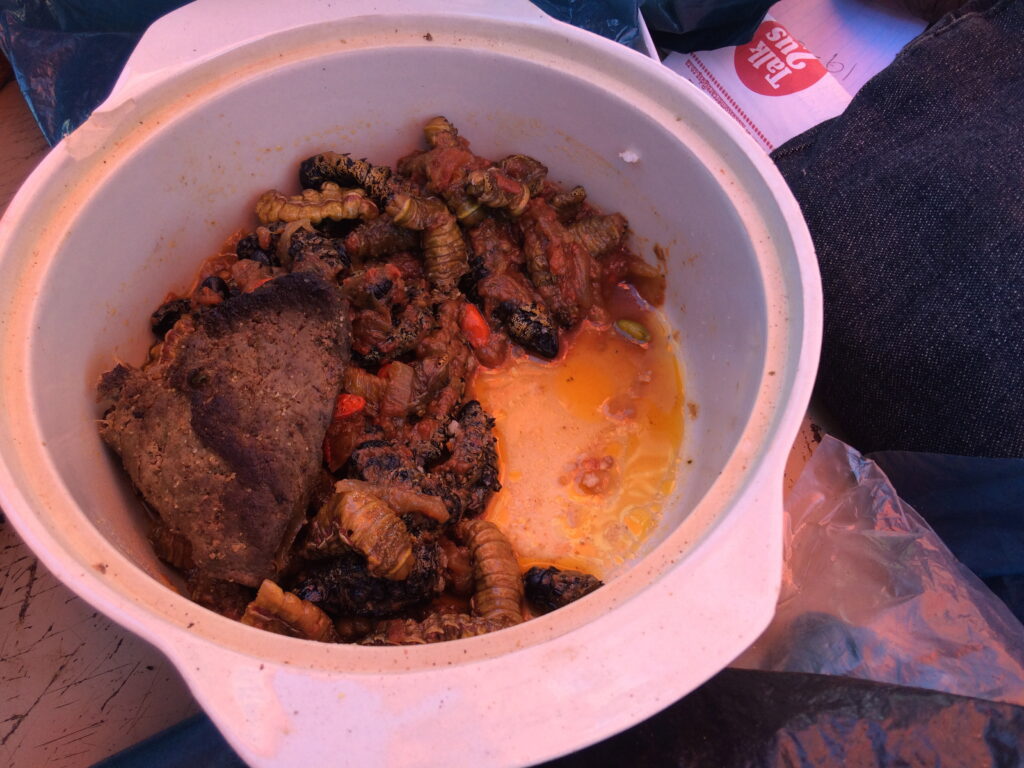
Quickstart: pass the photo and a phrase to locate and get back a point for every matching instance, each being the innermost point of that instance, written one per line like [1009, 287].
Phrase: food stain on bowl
[588, 444]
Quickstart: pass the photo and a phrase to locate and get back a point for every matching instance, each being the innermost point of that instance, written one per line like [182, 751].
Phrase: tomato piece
[347, 404]
[474, 327]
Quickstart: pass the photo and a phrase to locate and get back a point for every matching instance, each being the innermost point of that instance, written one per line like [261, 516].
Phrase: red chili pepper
[474, 326]
[253, 286]
[346, 405]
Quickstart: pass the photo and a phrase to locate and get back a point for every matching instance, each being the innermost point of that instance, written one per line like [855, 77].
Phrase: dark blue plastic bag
[67, 54]
[615, 19]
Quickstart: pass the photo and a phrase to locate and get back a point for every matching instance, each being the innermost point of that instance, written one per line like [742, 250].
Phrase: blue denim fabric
[915, 199]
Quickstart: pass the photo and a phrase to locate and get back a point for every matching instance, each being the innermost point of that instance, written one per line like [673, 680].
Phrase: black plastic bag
[67, 54]
[703, 25]
[617, 20]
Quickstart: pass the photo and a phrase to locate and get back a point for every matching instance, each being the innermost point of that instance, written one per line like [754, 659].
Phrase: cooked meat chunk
[551, 588]
[224, 597]
[472, 470]
[505, 291]
[222, 435]
[344, 587]
[560, 267]
[379, 237]
[310, 251]
[392, 313]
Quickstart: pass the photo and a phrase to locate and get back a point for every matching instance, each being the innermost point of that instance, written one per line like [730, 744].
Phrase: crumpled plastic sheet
[974, 504]
[870, 591]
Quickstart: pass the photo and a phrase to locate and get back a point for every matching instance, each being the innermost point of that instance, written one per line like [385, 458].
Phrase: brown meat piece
[222, 435]
[344, 587]
[506, 293]
[562, 270]
[392, 313]
[379, 237]
[551, 588]
[472, 469]
[223, 597]
[444, 368]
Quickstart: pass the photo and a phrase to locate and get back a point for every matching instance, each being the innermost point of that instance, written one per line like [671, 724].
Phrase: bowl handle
[278, 714]
[237, 692]
[205, 29]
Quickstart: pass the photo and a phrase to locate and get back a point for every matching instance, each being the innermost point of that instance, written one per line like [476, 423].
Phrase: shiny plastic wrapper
[67, 54]
[870, 591]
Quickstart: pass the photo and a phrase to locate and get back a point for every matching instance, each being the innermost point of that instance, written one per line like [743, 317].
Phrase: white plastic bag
[870, 591]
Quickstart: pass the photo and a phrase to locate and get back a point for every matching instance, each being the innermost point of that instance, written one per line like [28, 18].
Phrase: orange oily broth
[588, 446]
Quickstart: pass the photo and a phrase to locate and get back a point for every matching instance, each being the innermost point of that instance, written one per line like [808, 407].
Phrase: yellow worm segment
[283, 613]
[444, 250]
[439, 132]
[467, 210]
[499, 583]
[402, 500]
[375, 179]
[364, 522]
[498, 190]
[330, 202]
[574, 198]
[416, 213]
[600, 234]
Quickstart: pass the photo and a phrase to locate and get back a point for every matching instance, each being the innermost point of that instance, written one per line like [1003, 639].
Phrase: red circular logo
[774, 63]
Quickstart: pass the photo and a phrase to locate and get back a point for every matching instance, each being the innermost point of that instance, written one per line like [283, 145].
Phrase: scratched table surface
[74, 686]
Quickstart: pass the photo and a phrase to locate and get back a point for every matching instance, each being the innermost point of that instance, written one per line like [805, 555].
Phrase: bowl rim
[787, 394]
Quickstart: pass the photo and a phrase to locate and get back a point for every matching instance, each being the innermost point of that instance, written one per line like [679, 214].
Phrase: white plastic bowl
[219, 102]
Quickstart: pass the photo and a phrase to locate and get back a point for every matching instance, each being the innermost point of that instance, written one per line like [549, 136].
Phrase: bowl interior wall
[148, 225]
